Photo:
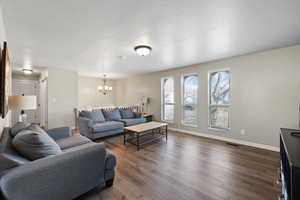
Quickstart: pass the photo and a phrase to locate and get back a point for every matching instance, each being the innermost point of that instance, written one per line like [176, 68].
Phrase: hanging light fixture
[104, 89]
[143, 50]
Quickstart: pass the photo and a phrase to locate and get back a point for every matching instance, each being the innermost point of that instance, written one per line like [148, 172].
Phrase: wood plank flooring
[190, 168]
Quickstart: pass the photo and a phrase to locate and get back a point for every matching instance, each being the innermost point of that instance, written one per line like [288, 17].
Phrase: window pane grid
[219, 100]
[168, 99]
[190, 100]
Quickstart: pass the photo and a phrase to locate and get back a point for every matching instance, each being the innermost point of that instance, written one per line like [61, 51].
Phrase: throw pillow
[35, 127]
[19, 126]
[96, 116]
[35, 144]
[127, 113]
[112, 115]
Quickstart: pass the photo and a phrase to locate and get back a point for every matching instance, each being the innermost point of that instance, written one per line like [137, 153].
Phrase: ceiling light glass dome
[143, 50]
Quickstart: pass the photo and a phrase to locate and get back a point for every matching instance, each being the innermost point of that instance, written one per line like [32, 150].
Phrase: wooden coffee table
[145, 133]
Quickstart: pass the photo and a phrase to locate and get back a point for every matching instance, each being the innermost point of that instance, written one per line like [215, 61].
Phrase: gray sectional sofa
[107, 122]
[79, 166]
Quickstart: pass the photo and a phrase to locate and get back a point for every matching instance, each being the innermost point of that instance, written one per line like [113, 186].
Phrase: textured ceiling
[85, 34]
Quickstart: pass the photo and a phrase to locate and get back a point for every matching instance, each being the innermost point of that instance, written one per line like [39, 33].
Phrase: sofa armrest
[86, 121]
[60, 133]
[60, 177]
[138, 115]
[84, 125]
[110, 160]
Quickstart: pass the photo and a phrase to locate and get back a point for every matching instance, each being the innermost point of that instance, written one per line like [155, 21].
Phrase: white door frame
[43, 88]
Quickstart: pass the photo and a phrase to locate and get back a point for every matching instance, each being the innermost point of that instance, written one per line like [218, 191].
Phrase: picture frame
[5, 80]
[1, 81]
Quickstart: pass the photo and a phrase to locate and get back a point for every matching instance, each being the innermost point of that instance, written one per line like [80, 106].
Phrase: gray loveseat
[81, 166]
[107, 122]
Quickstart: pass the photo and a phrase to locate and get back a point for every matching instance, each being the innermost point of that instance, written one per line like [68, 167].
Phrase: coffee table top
[145, 126]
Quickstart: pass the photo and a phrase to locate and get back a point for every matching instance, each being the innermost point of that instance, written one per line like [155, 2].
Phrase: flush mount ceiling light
[143, 50]
[27, 71]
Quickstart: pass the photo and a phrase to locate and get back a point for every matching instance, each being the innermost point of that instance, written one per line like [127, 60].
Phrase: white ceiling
[84, 34]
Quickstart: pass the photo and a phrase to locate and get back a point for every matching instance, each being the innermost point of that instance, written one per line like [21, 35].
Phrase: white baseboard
[236, 141]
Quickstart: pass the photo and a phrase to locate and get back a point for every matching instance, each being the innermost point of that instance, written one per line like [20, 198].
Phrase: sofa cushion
[95, 116]
[72, 141]
[9, 157]
[126, 113]
[138, 115]
[112, 115]
[19, 126]
[35, 144]
[35, 127]
[131, 122]
[107, 126]
[80, 147]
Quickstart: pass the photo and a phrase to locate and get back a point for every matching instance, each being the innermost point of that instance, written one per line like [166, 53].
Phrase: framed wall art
[5, 80]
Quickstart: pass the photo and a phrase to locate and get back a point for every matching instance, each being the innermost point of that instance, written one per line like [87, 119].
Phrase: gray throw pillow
[19, 126]
[95, 116]
[112, 115]
[35, 144]
[127, 113]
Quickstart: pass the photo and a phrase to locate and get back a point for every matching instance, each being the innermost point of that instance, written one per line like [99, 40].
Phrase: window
[168, 99]
[189, 100]
[219, 99]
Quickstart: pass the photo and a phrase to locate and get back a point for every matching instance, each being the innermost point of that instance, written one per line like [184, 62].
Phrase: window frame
[163, 99]
[182, 100]
[225, 105]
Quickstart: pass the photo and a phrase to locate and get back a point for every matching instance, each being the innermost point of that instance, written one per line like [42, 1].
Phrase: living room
[180, 100]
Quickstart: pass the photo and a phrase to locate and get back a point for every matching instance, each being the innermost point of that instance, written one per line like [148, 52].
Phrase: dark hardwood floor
[191, 168]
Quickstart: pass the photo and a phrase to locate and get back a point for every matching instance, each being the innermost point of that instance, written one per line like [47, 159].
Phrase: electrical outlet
[243, 132]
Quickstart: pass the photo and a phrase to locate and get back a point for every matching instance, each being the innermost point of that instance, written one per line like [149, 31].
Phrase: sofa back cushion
[19, 126]
[112, 115]
[34, 143]
[35, 127]
[95, 116]
[127, 113]
[9, 157]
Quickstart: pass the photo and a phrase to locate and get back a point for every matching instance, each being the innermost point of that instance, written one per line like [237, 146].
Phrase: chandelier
[104, 89]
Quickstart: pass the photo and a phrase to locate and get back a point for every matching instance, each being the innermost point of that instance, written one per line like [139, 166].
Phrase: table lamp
[22, 103]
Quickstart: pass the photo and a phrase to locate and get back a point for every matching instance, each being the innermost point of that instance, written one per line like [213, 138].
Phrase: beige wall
[3, 122]
[67, 90]
[265, 89]
[62, 97]
[89, 96]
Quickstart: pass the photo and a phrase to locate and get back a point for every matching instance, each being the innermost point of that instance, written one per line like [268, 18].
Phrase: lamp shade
[22, 102]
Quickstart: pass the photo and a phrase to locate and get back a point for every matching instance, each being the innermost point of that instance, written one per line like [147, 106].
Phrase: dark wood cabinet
[290, 163]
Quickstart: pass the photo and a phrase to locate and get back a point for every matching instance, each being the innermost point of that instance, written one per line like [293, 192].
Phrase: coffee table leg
[124, 137]
[138, 141]
[167, 132]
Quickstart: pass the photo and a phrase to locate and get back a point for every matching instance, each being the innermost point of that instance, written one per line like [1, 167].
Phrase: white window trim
[220, 129]
[182, 94]
[162, 99]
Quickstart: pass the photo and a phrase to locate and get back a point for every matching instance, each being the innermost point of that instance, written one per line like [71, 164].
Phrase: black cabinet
[290, 164]
[148, 118]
